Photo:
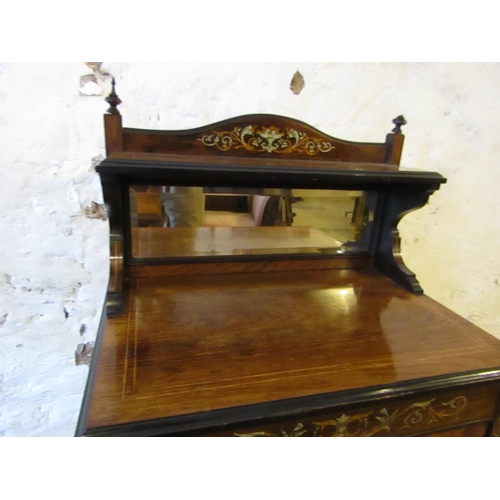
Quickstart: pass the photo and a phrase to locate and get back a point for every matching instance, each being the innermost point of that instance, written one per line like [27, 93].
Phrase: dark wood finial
[399, 122]
[113, 100]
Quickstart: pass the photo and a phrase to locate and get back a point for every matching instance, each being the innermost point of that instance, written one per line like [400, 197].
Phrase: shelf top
[192, 344]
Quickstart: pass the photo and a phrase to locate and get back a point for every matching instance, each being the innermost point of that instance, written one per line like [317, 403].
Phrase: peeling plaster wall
[53, 251]
[54, 245]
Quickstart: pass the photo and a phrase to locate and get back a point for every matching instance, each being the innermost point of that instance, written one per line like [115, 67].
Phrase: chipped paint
[297, 84]
[83, 353]
[96, 211]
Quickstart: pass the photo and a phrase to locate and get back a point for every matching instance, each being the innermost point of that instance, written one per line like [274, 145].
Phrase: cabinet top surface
[198, 343]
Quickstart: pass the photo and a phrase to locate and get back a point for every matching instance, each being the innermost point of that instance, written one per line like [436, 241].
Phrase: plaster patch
[297, 84]
[3, 319]
[7, 280]
[83, 353]
[96, 211]
[97, 83]
[94, 66]
[96, 161]
[89, 85]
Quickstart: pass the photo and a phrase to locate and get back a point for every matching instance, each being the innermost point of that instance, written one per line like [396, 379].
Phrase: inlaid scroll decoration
[267, 140]
[412, 418]
[298, 431]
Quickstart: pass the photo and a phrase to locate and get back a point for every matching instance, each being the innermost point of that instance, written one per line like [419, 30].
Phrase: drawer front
[464, 411]
[472, 430]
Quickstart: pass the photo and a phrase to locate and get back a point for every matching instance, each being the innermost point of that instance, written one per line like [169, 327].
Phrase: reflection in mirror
[171, 222]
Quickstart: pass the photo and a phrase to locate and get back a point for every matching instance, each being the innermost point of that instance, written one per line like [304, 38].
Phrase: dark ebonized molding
[222, 175]
[87, 395]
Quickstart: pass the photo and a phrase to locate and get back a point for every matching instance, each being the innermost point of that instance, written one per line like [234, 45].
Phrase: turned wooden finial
[399, 122]
[113, 100]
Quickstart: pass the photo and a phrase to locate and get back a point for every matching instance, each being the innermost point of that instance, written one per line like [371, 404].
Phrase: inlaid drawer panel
[425, 413]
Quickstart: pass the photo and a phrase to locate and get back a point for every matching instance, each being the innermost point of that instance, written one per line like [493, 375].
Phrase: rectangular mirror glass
[171, 222]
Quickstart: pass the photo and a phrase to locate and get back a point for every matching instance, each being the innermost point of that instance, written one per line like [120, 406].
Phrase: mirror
[185, 221]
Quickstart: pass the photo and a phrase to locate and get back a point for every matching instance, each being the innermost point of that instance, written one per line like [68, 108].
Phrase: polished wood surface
[263, 265]
[158, 242]
[228, 161]
[263, 135]
[114, 136]
[193, 344]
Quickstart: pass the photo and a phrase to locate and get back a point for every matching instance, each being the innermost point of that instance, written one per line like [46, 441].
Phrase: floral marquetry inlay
[266, 140]
[397, 421]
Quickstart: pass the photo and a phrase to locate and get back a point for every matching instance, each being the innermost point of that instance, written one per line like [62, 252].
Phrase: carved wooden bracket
[388, 259]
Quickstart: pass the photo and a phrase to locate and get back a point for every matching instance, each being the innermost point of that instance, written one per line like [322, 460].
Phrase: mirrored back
[190, 221]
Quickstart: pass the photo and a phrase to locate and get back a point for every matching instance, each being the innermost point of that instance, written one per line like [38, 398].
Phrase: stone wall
[54, 244]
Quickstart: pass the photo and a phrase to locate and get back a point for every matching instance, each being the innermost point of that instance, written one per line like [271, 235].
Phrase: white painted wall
[54, 251]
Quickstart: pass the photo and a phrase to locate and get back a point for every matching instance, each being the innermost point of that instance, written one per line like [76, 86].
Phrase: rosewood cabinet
[257, 289]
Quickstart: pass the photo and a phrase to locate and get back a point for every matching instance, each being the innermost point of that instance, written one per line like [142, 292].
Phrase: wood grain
[191, 344]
